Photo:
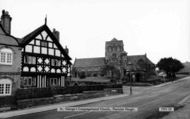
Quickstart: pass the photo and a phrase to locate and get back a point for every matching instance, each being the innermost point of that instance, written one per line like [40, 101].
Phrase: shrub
[7, 101]
[33, 93]
[82, 75]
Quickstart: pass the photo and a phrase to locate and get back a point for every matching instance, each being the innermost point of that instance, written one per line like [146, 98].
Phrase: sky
[159, 28]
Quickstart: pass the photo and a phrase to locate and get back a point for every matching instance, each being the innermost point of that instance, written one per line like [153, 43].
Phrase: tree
[170, 66]
[111, 71]
[82, 75]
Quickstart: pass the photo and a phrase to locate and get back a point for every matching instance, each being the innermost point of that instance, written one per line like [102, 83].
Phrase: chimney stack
[67, 50]
[6, 21]
[56, 34]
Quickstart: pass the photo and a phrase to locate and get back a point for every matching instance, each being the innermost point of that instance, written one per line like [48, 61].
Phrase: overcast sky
[159, 28]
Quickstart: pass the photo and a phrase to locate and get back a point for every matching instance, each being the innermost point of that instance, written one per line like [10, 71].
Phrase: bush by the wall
[7, 101]
[33, 93]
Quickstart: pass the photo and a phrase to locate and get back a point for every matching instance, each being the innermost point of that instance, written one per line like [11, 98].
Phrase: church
[37, 60]
[115, 56]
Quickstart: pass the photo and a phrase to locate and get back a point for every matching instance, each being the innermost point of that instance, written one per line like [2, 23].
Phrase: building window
[28, 48]
[37, 41]
[6, 56]
[36, 49]
[3, 57]
[50, 45]
[57, 62]
[57, 53]
[30, 60]
[44, 43]
[29, 81]
[44, 50]
[5, 87]
[53, 82]
[51, 51]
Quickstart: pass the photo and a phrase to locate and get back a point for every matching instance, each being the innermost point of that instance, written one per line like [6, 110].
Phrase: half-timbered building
[45, 63]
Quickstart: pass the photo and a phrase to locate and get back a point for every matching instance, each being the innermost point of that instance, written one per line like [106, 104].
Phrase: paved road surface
[148, 103]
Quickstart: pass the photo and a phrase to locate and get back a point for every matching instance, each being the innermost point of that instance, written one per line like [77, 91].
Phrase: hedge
[49, 92]
[7, 101]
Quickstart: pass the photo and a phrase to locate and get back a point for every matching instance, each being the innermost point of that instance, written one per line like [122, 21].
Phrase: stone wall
[67, 97]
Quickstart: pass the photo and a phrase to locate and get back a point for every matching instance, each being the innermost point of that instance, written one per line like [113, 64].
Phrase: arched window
[114, 55]
[109, 49]
[6, 56]
[5, 87]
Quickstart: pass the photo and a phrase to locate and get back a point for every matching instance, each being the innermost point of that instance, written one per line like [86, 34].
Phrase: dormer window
[6, 56]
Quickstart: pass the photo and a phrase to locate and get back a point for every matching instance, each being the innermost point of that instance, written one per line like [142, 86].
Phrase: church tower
[114, 51]
[115, 55]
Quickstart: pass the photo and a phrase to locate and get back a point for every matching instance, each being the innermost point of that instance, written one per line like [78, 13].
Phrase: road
[147, 102]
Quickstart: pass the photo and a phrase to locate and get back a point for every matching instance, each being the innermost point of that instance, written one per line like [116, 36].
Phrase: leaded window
[5, 87]
[6, 56]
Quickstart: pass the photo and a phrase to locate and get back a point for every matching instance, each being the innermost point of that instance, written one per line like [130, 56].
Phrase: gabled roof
[89, 62]
[25, 40]
[134, 59]
[7, 39]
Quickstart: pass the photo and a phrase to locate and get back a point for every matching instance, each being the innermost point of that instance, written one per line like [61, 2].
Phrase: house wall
[12, 72]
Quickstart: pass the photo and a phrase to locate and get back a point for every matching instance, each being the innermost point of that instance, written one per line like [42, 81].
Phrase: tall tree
[170, 66]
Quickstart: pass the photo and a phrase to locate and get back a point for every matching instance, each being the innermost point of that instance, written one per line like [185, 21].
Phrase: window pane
[7, 89]
[29, 81]
[44, 50]
[28, 48]
[1, 88]
[44, 43]
[51, 52]
[9, 58]
[36, 49]
[50, 45]
[57, 53]
[3, 57]
[37, 42]
[58, 62]
[52, 62]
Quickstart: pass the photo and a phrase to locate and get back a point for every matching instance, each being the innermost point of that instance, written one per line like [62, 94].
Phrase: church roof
[89, 62]
[99, 62]
[114, 39]
[134, 59]
[7, 39]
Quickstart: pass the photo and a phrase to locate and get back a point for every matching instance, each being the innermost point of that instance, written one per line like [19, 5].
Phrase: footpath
[183, 113]
[55, 106]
